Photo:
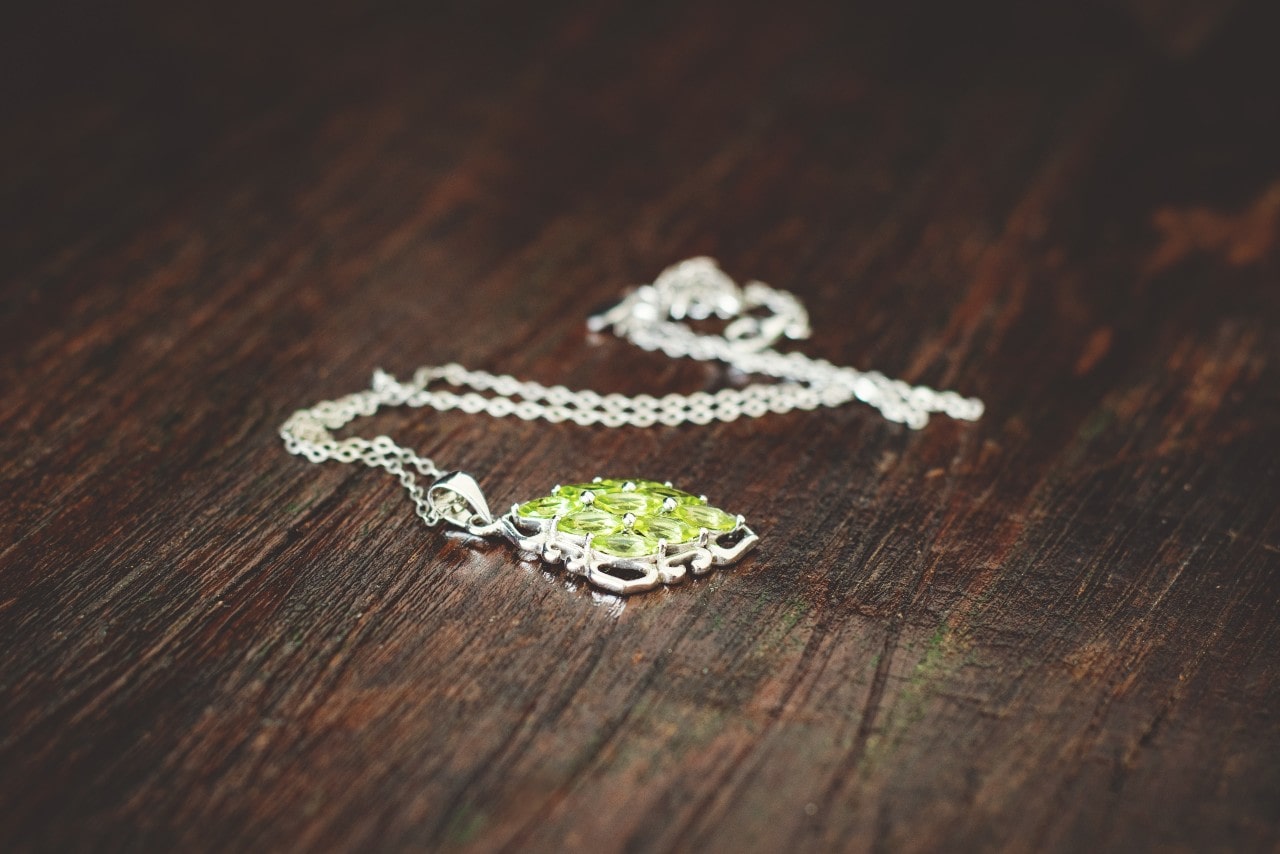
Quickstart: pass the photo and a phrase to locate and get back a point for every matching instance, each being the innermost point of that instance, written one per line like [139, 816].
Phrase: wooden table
[1052, 630]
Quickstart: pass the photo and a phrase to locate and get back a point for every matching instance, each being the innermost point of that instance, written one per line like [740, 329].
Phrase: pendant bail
[458, 500]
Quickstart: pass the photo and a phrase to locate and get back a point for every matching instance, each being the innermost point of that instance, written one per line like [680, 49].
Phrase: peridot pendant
[624, 536]
[627, 535]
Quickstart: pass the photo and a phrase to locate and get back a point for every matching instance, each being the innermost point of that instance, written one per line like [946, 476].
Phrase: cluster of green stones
[627, 518]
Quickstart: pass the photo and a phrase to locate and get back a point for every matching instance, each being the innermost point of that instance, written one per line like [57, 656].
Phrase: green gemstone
[622, 503]
[647, 485]
[661, 490]
[546, 508]
[618, 484]
[625, 544]
[705, 516]
[576, 490]
[681, 497]
[590, 521]
[666, 528]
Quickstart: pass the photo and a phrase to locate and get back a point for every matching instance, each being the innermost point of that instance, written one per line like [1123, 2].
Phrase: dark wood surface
[1052, 630]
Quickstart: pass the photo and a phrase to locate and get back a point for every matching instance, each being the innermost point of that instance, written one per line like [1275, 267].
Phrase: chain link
[651, 317]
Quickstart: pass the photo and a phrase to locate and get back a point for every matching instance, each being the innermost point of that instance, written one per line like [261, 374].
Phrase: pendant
[621, 535]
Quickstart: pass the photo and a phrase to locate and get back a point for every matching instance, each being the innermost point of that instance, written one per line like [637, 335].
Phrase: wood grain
[1053, 630]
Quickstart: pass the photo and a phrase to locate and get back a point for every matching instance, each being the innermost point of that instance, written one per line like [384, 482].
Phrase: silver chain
[652, 317]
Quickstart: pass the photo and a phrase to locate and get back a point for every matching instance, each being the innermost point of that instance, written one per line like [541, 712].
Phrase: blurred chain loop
[652, 317]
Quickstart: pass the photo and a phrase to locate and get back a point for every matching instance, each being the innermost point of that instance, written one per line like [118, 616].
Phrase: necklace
[623, 535]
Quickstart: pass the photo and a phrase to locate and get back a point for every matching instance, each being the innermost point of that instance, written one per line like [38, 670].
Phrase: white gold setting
[670, 564]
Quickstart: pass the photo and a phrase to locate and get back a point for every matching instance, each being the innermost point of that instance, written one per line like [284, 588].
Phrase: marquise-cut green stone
[681, 497]
[705, 516]
[546, 508]
[647, 485]
[625, 544]
[590, 521]
[576, 490]
[666, 528]
[619, 484]
[622, 503]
